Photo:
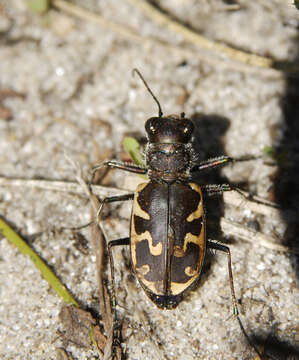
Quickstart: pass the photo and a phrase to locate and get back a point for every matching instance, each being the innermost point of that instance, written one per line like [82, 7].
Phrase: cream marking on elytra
[143, 270]
[155, 250]
[137, 209]
[154, 286]
[178, 252]
[190, 272]
[177, 288]
[196, 239]
[199, 211]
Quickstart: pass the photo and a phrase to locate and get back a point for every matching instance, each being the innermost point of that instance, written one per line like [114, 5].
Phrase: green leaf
[39, 6]
[132, 147]
[47, 274]
[269, 151]
[272, 153]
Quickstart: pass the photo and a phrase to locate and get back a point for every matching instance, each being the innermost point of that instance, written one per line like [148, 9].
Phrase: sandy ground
[79, 98]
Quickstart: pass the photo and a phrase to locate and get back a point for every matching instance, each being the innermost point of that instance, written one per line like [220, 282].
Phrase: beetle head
[169, 130]
[168, 152]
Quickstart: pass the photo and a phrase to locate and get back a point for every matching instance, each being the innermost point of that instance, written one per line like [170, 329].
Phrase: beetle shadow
[276, 349]
[286, 184]
[286, 192]
[208, 143]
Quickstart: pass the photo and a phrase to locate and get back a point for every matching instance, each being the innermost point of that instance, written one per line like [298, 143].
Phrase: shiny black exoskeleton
[167, 236]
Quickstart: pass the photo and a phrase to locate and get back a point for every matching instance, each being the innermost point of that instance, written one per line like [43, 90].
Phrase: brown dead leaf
[78, 325]
[5, 112]
[62, 354]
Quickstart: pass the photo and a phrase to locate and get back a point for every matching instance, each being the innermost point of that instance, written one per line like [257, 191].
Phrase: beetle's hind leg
[117, 242]
[116, 327]
[217, 246]
[122, 241]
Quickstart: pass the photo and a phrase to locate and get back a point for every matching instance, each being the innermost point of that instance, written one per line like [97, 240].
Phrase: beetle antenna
[149, 90]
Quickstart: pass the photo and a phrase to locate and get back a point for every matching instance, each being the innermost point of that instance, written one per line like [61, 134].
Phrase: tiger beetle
[168, 242]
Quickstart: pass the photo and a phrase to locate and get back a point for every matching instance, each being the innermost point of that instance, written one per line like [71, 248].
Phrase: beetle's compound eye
[189, 128]
[151, 126]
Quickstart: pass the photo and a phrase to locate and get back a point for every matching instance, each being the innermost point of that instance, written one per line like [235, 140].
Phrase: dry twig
[63, 186]
[258, 205]
[98, 244]
[255, 237]
[193, 37]
[243, 61]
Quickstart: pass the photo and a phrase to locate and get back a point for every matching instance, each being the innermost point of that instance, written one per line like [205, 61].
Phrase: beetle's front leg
[118, 165]
[217, 246]
[220, 161]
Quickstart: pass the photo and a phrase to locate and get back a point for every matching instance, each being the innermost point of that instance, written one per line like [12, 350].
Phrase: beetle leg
[220, 161]
[211, 163]
[118, 165]
[116, 329]
[216, 246]
[216, 189]
[111, 199]
[123, 241]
